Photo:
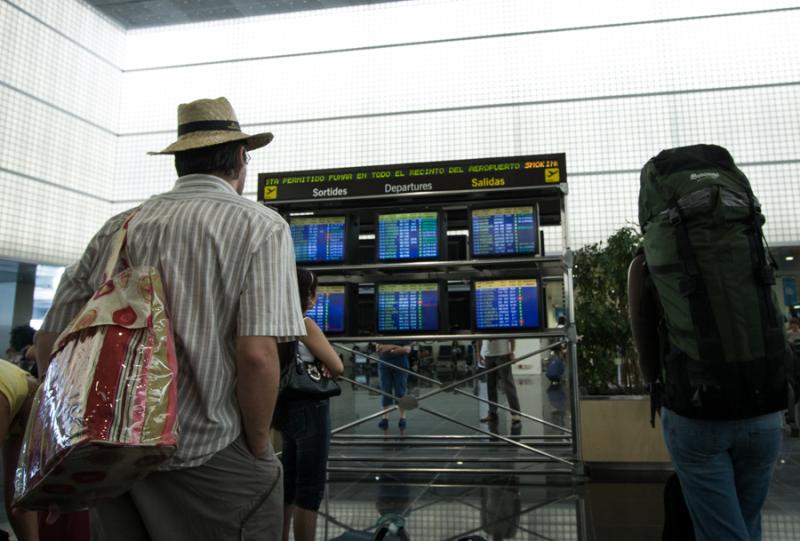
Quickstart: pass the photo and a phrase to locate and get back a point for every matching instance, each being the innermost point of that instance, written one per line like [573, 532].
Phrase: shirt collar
[205, 183]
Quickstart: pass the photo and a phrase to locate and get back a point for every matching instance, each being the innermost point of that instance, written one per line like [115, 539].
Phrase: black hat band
[208, 125]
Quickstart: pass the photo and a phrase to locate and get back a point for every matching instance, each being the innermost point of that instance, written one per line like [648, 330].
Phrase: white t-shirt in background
[495, 348]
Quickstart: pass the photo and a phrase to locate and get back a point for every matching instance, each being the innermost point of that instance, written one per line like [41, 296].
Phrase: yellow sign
[270, 192]
[491, 284]
[552, 175]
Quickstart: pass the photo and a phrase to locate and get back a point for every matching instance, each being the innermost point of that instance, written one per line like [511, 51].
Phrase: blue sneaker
[384, 424]
[401, 424]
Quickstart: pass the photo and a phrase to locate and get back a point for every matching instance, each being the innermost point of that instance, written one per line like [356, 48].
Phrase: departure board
[506, 304]
[407, 236]
[503, 231]
[408, 307]
[329, 311]
[318, 239]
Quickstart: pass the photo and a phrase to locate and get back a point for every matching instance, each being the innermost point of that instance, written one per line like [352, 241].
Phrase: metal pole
[572, 335]
[523, 512]
[498, 436]
[451, 419]
[468, 379]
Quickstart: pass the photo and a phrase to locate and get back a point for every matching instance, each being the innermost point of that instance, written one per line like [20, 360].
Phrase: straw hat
[204, 123]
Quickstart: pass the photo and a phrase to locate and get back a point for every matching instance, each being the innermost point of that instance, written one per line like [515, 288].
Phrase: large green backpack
[704, 250]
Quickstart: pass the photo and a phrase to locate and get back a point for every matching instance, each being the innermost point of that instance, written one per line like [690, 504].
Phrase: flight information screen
[329, 311]
[506, 304]
[503, 231]
[408, 235]
[408, 307]
[318, 239]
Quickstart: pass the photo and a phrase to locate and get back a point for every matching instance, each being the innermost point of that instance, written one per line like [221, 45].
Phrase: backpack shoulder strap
[693, 287]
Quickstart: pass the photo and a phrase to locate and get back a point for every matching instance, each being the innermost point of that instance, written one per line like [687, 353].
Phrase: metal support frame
[570, 436]
[572, 336]
[567, 336]
[454, 386]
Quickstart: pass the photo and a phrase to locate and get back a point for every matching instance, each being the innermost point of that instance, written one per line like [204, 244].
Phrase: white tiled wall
[609, 85]
[60, 97]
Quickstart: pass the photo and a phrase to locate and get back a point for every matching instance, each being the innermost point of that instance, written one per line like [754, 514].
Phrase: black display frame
[499, 205]
[535, 275]
[441, 286]
[351, 230]
[441, 234]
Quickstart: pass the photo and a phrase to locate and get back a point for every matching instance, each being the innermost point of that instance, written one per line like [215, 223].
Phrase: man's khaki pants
[232, 497]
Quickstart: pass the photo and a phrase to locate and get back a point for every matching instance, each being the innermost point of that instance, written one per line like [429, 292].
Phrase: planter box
[616, 429]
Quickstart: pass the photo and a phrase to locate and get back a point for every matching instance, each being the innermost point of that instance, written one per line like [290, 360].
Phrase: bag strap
[692, 286]
[119, 244]
[764, 275]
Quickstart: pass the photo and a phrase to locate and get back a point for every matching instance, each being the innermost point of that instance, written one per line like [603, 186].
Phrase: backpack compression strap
[692, 286]
[764, 275]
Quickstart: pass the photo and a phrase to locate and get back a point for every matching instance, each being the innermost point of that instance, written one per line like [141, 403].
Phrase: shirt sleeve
[74, 290]
[269, 304]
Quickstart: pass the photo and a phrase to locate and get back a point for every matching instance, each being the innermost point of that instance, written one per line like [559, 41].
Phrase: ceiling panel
[148, 13]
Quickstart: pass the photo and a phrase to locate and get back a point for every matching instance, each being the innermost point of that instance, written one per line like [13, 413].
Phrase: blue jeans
[306, 432]
[393, 381]
[724, 468]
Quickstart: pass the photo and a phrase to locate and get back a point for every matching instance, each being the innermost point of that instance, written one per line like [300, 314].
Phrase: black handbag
[300, 379]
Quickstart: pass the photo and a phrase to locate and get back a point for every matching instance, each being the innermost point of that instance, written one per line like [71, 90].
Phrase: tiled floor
[371, 477]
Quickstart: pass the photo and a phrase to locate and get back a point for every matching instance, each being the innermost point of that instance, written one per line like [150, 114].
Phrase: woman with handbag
[303, 418]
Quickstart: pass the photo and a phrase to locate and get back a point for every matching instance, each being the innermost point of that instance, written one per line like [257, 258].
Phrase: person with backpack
[709, 335]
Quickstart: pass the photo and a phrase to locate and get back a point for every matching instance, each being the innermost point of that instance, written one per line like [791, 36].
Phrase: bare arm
[23, 522]
[318, 345]
[257, 379]
[643, 314]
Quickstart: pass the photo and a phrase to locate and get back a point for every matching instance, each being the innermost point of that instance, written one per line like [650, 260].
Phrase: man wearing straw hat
[227, 264]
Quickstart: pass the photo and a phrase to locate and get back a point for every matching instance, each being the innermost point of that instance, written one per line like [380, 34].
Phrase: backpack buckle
[687, 286]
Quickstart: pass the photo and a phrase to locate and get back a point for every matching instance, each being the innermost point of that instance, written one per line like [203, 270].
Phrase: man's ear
[241, 162]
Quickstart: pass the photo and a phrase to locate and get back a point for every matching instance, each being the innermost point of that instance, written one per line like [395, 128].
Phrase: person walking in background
[305, 425]
[493, 353]
[554, 371]
[394, 382]
[227, 265]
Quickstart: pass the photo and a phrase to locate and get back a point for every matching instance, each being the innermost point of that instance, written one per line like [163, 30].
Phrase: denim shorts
[393, 381]
[306, 431]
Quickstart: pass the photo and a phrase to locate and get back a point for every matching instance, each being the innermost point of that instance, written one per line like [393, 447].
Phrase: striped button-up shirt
[227, 265]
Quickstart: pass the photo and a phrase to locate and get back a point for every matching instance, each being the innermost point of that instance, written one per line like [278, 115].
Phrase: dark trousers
[504, 377]
[306, 440]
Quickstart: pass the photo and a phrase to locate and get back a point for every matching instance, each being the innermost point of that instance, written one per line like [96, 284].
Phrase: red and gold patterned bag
[106, 412]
